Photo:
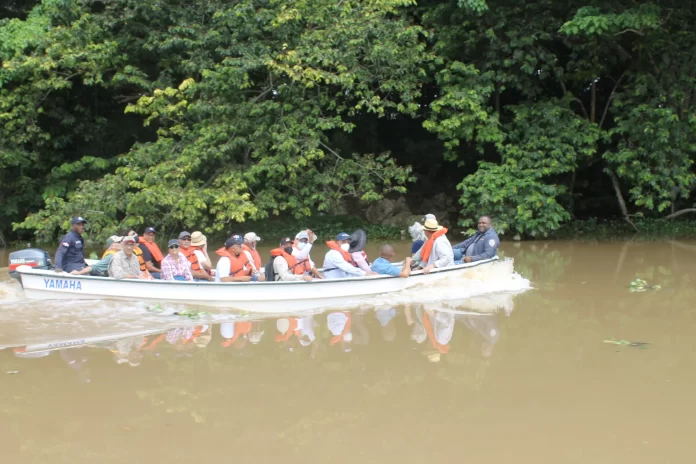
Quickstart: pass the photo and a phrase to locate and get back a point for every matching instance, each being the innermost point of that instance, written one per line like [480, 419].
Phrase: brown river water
[514, 377]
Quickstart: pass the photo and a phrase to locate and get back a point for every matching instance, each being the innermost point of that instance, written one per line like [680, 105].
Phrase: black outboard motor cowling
[34, 257]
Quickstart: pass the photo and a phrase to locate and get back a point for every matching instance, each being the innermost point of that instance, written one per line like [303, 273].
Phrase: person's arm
[417, 259]
[406, 269]
[465, 244]
[201, 275]
[202, 259]
[489, 250]
[167, 269]
[341, 264]
[282, 270]
[84, 271]
[60, 253]
[303, 253]
[251, 262]
[360, 261]
[188, 275]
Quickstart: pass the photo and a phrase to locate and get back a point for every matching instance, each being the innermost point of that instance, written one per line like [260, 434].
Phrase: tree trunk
[620, 198]
[593, 108]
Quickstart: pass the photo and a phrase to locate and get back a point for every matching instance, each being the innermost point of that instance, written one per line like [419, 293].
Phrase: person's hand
[427, 269]
[371, 273]
[467, 259]
[74, 273]
[312, 236]
[244, 279]
[58, 270]
[306, 278]
[408, 261]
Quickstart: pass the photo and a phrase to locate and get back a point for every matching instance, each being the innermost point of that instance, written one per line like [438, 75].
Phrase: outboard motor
[34, 257]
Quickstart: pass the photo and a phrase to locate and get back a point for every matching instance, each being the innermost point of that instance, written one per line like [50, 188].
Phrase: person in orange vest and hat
[437, 249]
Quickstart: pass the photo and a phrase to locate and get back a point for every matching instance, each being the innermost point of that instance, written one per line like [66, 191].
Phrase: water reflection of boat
[259, 297]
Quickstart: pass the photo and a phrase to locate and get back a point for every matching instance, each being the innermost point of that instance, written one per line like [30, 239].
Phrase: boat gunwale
[53, 274]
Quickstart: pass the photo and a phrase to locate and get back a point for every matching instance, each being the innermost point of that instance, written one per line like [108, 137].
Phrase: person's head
[430, 227]
[149, 234]
[234, 244]
[484, 223]
[78, 224]
[286, 244]
[128, 245]
[250, 240]
[386, 251]
[173, 247]
[428, 217]
[114, 243]
[184, 240]
[343, 240]
[198, 239]
[301, 239]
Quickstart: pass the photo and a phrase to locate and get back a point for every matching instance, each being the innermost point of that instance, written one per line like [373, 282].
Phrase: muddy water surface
[503, 377]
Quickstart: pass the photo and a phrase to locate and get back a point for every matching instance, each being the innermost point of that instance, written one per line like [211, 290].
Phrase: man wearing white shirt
[301, 249]
[338, 263]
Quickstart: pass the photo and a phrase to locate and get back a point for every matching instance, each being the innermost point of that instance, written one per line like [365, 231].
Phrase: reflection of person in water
[340, 327]
[387, 319]
[439, 327]
[486, 326]
[236, 334]
[76, 358]
[127, 350]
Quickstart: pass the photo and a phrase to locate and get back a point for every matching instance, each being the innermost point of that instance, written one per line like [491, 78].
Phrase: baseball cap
[78, 220]
[149, 229]
[285, 240]
[302, 234]
[252, 237]
[343, 236]
[184, 234]
[428, 216]
[234, 240]
[128, 238]
[172, 242]
[113, 239]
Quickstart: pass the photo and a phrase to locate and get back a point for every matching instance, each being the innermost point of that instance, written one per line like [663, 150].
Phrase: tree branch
[620, 199]
[679, 213]
[611, 97]
[630, 30]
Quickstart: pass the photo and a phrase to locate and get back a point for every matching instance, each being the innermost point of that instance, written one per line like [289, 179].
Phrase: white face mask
[301, 245]
[345, 246]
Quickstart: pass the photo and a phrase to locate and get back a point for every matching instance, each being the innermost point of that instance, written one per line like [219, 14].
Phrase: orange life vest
[444, 349]
[304, 264]
[240, 328]
[191, 256]
[237, 263]
[295, 267]
[108, 252]
[139, 253]
[334, 246]
[346, 330]
[428, 246]
[292, 330]
[255, 256]
[154, 250]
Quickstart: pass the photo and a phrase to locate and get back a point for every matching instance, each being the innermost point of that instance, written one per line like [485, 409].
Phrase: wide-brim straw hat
[432, 225]
[358, 240]
[198, 239]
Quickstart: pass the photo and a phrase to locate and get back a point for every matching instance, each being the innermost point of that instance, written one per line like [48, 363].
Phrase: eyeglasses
[173, 247]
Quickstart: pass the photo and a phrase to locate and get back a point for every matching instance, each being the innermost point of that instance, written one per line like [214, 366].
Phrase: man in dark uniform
[70, 253]
[482, 245]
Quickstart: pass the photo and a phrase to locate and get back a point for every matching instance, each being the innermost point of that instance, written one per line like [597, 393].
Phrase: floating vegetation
[641, 345]
[185, 313]
[639, 285]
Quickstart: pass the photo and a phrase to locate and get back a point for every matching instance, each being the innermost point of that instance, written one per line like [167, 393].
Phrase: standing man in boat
[70, 253]
[482, 245]
[152, 255]
[437, 249]
[338, 263]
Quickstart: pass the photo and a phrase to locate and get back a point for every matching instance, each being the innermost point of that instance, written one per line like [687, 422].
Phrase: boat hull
[260, 297]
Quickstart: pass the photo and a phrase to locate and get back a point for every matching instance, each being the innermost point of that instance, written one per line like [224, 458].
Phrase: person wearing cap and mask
[233, 265]
[188, 251]
[285, 266]
[124, 264]
[151, 253]
[101, 267]
[249, 249]
[437, 250]
[338, 263]
[301, 249]
[70, 253]
[175, 266]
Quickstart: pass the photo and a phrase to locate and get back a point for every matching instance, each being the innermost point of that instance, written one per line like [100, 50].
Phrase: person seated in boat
[249, 249]
[482, 245]
[175, 266]
[383, 265]
[151, 253]
[233, 265]
[70, 253]
[188, 251]
[101, 267]
[338, 263]
[125, 264]
[437, 250]
[285, 266]
[356, 250]
[301, 248]
[199, 243]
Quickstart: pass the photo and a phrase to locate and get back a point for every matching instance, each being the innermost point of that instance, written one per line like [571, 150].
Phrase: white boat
[258, 297]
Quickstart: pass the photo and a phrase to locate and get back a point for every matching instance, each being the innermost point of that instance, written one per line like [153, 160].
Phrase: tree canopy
[208, 112]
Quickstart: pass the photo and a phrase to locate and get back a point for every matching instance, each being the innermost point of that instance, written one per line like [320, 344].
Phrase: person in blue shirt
[70, 253]
[482, 245]
[383, 265]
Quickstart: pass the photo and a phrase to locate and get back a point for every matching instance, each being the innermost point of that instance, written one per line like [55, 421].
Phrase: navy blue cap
[343, 236]
[149, 229]
[173, 242]
[78, 220]
[234, 240]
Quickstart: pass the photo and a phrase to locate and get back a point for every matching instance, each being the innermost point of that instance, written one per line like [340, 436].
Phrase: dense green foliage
[208, 113]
